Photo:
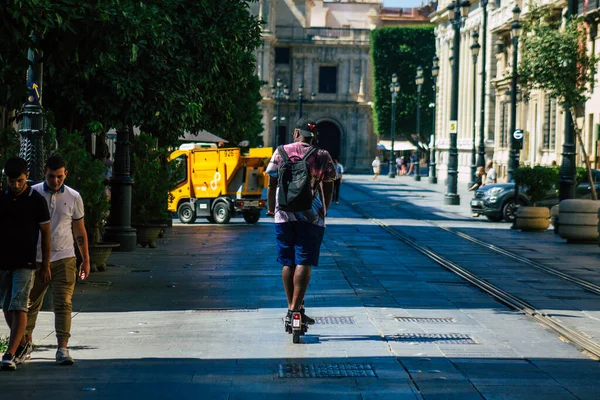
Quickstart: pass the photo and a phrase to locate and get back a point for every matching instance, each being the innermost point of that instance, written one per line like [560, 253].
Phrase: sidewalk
[201, 316]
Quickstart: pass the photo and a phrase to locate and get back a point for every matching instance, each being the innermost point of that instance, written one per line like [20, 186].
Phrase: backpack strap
[309, 152]
[284, 155]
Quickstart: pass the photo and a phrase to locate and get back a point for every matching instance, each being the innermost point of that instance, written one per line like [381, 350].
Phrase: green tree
[164, 65]
[554, 58]
[401, 50]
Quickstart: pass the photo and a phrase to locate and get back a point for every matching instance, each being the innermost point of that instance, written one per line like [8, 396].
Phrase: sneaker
[288, 321]
[63, 357]
[23, 353]
[306, 318]
[8, 362]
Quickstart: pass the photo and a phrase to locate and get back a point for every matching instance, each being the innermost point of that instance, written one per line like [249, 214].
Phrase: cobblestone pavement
[201, 316]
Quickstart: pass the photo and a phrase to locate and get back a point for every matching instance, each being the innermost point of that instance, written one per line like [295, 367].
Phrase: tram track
[578, 339]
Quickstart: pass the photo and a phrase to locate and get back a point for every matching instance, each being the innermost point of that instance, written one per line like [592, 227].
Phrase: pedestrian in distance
[400, 166]
[414, 163]
[24, 217]
[479, 182]
[479, 179]
[339, 169]
[376, 164]
[66, 223]
[299, 221]
[490, 177]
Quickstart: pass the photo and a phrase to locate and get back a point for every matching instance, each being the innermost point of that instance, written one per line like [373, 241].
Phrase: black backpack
[294, 184]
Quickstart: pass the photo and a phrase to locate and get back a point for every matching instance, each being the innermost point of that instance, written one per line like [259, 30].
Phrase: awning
[202, 136]
[399, 145]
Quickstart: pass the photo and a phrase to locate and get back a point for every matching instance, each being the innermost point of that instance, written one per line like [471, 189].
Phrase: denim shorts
[298, 243]
[15, 286]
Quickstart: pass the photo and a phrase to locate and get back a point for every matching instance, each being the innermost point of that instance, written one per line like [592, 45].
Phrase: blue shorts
[298, 243]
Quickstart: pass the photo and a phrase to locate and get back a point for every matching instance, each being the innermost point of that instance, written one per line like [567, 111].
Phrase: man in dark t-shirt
[23, 214]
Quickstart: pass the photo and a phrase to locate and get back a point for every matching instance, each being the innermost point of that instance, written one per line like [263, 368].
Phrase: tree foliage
[555, 59]
[401, 50]
[164, 65]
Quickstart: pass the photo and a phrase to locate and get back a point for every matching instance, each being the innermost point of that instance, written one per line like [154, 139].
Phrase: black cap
[307, 127]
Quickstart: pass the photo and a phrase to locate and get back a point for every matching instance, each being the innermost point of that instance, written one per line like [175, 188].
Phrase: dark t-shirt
[20, 219]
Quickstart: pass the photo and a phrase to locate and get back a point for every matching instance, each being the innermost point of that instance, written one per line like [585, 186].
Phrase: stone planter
[99, 253]
[554, 217]
[578, 220]
[532, 219]
[147, 234]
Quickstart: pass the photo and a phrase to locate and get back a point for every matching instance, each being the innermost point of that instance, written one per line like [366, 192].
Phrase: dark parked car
[496, 201]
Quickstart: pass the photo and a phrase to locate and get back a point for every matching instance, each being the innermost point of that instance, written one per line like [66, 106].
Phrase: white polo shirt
[65, 206]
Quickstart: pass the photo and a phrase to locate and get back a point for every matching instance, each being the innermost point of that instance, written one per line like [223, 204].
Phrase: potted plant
[536, 182]
[85, 176]
[150, 172]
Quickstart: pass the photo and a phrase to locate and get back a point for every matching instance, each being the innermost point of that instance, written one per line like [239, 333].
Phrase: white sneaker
[63, 357]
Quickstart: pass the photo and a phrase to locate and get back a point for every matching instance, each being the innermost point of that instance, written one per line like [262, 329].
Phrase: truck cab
[218, 182]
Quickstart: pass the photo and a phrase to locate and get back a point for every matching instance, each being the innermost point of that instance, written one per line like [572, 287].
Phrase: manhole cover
[423, 320]
[341, 370]
[334, 320]
[438, 338]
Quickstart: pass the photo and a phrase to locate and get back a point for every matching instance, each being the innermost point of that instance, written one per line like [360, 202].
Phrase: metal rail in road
[504, 297]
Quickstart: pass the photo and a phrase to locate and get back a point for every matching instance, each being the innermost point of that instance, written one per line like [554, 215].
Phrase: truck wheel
[251, 217]
[186, 213]
[221, 213]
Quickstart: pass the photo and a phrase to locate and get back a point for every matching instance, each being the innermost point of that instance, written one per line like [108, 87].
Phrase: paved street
[201, 316]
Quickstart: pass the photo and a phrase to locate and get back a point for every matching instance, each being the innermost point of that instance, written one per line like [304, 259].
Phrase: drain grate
[425, 320]
[334, 320]
[438, 338]
[96, 283]
[341, 370]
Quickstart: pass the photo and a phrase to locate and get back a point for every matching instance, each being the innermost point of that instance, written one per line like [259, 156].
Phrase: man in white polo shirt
[66, 221]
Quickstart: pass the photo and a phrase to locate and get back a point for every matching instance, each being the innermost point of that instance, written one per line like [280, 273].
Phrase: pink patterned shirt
[321, 169]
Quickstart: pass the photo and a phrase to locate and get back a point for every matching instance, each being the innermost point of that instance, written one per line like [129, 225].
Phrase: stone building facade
[540, 117]
[323, 46]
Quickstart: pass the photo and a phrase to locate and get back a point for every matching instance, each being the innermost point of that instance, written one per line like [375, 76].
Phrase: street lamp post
[313, 96]
[419, 79]
[456, 15]
[32, 122]
[475, 52]
[513, 157]
[279, 91]
[481, 149]
[434, 74]
[394, 90]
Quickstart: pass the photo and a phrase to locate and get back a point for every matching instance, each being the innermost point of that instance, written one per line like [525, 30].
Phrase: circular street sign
[518, 134]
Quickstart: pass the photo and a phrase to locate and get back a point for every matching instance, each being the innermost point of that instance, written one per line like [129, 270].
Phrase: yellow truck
[218, 182]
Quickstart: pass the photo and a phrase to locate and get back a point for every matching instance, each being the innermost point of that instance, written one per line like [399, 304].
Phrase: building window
[550, 124]
[504, 124]
[282, 55]
[328, 80]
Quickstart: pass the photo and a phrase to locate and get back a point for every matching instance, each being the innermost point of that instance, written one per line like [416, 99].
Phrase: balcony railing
[299, 34]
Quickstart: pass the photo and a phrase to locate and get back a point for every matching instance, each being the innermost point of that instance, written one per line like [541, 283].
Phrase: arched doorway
[329, 138]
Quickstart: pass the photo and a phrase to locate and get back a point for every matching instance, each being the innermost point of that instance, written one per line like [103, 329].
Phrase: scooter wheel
[296, 337]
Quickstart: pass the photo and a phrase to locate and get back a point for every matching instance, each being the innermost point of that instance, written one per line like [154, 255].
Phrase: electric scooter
[296, 327]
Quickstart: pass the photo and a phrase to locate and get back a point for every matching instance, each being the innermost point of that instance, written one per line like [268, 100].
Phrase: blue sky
[402, 3]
